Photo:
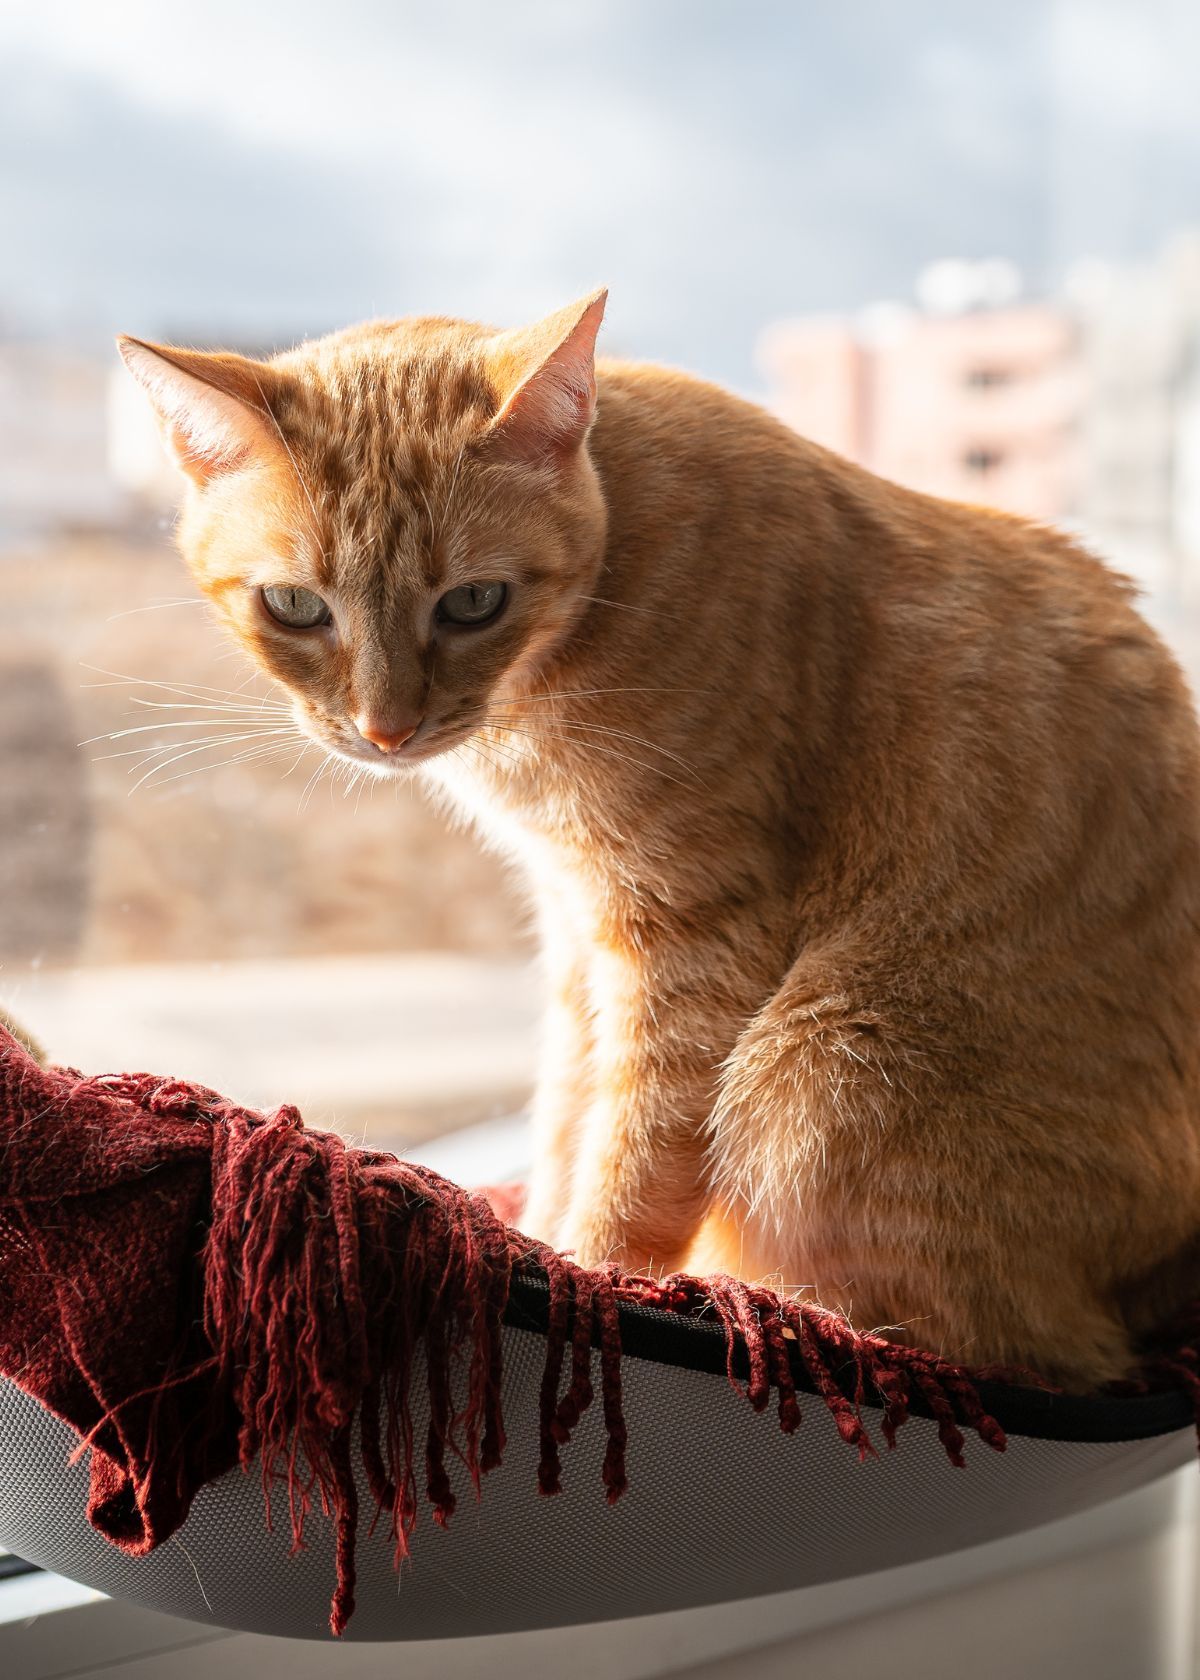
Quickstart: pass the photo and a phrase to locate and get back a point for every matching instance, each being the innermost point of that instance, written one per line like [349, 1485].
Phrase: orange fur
[864, 828]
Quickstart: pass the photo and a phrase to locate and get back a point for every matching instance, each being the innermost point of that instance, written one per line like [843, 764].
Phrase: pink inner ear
[548, 415]
[211, 407]
[193, 458]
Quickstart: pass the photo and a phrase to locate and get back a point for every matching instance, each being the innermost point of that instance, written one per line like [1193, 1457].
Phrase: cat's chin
[395, 767]
[389, 767]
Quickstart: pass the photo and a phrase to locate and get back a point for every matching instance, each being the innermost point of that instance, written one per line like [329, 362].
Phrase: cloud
[716, 166]
[120, 216]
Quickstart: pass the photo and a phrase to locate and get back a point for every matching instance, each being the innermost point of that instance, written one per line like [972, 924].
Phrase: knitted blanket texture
[193, 1286]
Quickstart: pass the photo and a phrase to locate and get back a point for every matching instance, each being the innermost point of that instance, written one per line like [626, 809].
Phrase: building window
[982, 461]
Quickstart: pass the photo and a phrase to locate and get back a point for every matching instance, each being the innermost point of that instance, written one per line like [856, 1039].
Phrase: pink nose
[386, 735]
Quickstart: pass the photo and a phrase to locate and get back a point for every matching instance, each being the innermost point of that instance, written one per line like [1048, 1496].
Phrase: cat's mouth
[399, 762]
[395, 763]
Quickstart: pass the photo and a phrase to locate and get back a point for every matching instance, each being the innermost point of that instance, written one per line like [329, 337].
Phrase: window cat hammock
[185, 1284]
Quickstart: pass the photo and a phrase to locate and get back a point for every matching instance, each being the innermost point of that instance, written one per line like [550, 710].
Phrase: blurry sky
[263, 171]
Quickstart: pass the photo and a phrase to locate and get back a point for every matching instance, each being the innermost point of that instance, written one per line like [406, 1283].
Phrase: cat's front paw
[540, 1219]
[602, 1243]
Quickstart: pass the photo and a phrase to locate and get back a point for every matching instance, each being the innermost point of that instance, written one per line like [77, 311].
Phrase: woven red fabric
[193, 1285]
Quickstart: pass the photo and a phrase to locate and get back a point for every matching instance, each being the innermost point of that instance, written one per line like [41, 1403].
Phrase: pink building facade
[981, 406]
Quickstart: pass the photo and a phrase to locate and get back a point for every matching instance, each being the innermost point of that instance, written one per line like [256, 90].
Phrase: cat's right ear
[548, 376]
[213, 409]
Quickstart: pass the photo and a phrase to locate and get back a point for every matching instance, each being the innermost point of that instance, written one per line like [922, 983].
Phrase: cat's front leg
[563, 1093]
[638, 1194]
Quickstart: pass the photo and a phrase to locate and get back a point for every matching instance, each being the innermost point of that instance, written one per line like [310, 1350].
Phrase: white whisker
[628, 606]
[453, 484]
[304, 748]
[238, 760]
[587, 693]
[624, 735]
[295, 468]
[158, 606]
[186, 752]
[148, 750]
[314, 781]
[199, 694]
[274, 709]
[605, 752]
[252, 755]
[179, 723]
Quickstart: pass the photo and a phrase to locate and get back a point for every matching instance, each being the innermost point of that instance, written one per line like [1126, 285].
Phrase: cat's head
[398, 522]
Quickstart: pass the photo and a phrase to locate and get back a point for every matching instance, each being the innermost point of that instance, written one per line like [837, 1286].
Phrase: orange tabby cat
[864, 828]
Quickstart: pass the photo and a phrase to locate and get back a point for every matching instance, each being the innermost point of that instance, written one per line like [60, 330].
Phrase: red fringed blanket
[193, 1285]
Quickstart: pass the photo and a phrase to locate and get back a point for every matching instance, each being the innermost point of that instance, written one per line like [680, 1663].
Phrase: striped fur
[863, 828]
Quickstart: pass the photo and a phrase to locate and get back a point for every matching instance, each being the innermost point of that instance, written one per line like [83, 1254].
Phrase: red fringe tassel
[326, 1271]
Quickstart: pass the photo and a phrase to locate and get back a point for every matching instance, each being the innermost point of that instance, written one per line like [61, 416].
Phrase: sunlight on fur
[863, 828]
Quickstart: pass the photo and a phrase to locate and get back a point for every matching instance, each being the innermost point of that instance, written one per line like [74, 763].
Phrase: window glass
[957, 244]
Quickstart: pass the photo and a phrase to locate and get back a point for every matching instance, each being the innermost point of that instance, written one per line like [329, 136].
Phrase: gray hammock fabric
[187, 1285]
[721, 1505]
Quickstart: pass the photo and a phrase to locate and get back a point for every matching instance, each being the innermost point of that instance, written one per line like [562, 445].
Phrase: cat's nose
[385, 733]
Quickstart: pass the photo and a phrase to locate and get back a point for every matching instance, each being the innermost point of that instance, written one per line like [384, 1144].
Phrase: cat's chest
[542, 829]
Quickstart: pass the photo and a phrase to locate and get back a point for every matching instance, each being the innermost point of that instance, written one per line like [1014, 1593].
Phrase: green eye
[299, 609]
[472, 603]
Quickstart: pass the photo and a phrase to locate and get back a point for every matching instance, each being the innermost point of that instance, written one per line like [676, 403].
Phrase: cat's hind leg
[857, 1163]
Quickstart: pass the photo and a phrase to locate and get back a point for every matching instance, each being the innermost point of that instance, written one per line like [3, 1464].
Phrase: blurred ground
[355, 955]
[218, 864]
[387, 1050]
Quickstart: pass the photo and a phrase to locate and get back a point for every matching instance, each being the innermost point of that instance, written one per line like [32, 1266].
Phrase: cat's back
[954, 599]
[972, 774]
[983, 679]
[1022, 626]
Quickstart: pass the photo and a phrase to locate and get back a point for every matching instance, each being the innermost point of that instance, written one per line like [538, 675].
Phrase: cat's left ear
[212, 408]
[548, 374]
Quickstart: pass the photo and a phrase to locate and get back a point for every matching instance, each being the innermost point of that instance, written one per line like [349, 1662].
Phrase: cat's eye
[472, 603]
[299, 609]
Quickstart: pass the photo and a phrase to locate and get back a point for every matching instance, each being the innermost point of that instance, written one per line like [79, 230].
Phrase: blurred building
[1082, 409]
[137, 460]
[53, 441]
[975, 400]
[1139, 350]
[79, 449]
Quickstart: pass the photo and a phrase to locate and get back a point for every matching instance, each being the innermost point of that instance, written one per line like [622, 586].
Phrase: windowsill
[390, 1051]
